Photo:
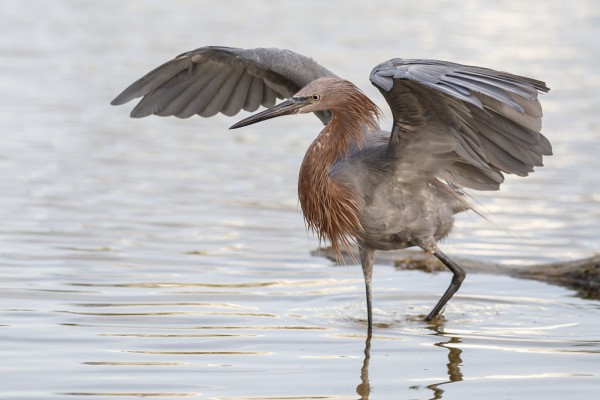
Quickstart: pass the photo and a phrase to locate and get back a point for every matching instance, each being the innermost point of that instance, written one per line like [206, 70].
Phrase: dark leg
[459, 276]
[366, 260]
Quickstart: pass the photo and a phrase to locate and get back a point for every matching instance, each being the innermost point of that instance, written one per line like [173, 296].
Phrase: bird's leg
[366, 260]
[459, 276]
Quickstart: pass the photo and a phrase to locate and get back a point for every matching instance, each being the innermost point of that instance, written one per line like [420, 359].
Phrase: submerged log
[581, 275]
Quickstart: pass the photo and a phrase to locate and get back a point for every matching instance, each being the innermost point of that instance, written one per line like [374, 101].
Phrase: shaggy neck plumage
[331, 210]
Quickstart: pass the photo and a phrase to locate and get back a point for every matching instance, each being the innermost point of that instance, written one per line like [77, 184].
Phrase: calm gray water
[167, 258]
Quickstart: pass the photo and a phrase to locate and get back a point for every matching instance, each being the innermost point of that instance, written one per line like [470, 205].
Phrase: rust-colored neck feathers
[330, 208]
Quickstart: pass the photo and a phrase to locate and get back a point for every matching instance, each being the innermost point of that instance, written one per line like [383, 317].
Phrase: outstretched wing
[214, 79]
[461, 123]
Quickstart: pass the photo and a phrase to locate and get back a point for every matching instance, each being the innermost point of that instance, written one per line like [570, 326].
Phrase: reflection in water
[454, 360]
[453, 365]
[364, 389]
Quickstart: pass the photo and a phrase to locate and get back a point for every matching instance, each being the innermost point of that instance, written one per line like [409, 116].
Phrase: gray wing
[214, 79]
[461, 123]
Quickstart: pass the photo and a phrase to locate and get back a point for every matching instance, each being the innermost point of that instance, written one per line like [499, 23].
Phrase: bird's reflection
[453, 365]
[364, 389]
[454, 360]
[454, 373]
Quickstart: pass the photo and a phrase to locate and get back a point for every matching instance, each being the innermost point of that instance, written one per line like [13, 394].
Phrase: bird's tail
[463, 201]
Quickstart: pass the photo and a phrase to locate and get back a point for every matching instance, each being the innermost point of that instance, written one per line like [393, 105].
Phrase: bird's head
[323, 94]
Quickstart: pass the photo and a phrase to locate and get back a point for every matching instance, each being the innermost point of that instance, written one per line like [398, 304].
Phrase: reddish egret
[455, 126]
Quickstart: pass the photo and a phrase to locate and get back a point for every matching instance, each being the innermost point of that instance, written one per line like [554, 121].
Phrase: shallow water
[167, 258]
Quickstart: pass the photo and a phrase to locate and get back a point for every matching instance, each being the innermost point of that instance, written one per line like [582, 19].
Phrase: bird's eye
[315, 97]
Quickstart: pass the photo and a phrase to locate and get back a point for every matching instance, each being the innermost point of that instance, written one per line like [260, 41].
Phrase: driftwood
[581, 275]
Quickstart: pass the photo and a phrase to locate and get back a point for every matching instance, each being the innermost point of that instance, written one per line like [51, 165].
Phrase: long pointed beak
[291, 106]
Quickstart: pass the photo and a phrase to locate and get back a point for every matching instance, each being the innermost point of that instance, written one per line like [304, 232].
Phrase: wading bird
[454, 126]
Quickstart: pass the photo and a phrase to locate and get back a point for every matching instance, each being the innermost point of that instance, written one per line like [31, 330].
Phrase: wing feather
[219, 92]
[238, 96]
[269, 96]
[215, 79]
[255, 95]
[492, 117]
